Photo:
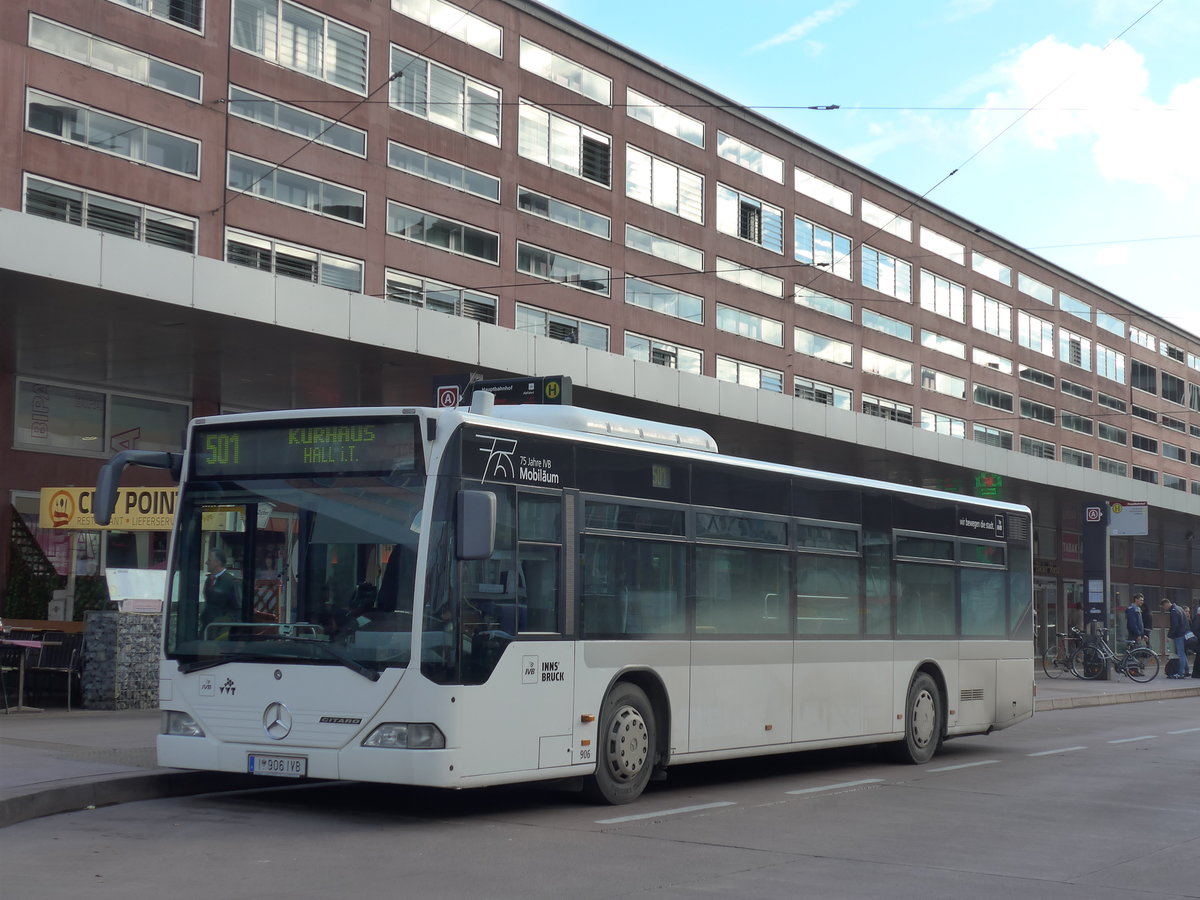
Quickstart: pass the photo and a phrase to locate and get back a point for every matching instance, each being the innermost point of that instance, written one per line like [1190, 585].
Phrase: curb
[1052, 703]
[86, 793]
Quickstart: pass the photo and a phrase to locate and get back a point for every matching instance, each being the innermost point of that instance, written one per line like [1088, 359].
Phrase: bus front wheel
[626, 746]
[923, 717]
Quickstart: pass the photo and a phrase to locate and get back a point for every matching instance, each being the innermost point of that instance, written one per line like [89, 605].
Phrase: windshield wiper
[344, 658]
[197, 665]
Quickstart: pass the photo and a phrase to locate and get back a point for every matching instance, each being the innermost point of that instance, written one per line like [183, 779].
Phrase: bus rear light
[406, 736]
[180, 724]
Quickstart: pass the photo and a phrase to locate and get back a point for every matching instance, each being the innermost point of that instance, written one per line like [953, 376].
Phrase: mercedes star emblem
[277, 721]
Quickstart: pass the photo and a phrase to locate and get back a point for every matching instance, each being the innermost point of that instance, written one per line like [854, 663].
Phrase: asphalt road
[1097, 803]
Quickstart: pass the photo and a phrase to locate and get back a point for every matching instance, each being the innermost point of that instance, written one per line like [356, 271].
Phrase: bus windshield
[315, 568]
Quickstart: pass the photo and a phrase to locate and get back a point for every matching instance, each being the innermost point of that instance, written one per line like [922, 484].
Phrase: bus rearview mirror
[476, 529]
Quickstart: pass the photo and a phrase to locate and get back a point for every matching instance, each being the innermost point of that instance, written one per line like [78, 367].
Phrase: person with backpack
[1177, 631]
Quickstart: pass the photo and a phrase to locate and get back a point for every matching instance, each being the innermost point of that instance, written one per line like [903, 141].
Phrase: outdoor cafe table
[26, 644]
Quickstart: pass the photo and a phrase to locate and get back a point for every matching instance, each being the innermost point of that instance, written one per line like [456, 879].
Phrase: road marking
[1185, 731]
[664, 812]
[982, 762]
[1140, 737]
[1061, 750]
[838, 787]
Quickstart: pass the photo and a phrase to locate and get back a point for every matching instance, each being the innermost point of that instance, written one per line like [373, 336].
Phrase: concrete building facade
[223, 205]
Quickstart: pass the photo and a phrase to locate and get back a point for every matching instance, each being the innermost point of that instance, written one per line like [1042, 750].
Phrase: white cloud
[1100, 98]
[805, 25]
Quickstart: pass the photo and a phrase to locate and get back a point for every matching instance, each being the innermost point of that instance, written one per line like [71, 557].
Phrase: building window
[1112, 433]
[823, 303]
[664, 248]
[749, 157]
[1076, 390]
[661, 353]
[1037, 411]
[991, 361]
[1110, 364]
[749, 375]
[443, 171]
[991, 316]
[885, 220]
[664, 185]
[1175, 483]
[566, 72]
[1111, 402]
[749, 325]
[1075, 422]
[887, 409]
[1142, 338]
[665, 300]
[817, 246]
[116, 59]
[61, 418]
[942, 296]
[993, 437]
[942, 246]
[884, 366]
[1172, 352]
[1173, 389]
[416, 290]
[993, 397]
[885, 273]
[1037, 376]
[545, 323]
[1040, 449]
[1144, 443]
[439, 94]
[664, 118]
[1147, 475]
[1112, 466]
[75, 206]
[1035, 334]
[1174, 451]
[750, 219]
[942, 344]
[65, 120]
[562, 212]
[568, 270]
[1076, 308]
[753, 279]
[185, 13]
[1142, 413]
[283, 117]
[1074, 350]
[455, 22]
[886, 325]
[823, 191]
[303, 40]
[441, 233]
[943, 383]
[291, 188]
[1074, 457]
[292, 260]
[826, 348]
[985, 265]
[819, 392]
[1035, 288]
[1110, 323]
[943, 424]
[1143, 377]
[1174, 424]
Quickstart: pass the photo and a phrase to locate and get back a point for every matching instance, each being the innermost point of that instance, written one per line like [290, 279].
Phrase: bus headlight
[181, 724]
[407, 736]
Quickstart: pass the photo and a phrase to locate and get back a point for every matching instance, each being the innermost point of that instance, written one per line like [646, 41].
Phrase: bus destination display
[309, 448]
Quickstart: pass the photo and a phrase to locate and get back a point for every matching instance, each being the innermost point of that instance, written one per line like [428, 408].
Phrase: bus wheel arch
[632, 738]
[925, 717]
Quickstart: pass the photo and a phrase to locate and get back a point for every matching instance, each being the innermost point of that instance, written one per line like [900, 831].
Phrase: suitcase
[1172, 666]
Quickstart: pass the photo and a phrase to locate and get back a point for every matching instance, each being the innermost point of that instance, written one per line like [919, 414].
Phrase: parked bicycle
[1056, 660]
[1090, 660]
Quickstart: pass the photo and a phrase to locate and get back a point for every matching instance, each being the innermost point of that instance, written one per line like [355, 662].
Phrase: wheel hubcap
[628, 748]
[924, 719]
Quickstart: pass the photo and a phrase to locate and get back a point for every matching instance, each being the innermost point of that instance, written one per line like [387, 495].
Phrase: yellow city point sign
[138, 509]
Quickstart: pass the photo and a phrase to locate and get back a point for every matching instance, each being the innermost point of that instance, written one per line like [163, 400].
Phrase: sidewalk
[57, 761]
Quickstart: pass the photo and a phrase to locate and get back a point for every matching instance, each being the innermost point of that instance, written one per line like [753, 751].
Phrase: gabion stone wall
[120, 660]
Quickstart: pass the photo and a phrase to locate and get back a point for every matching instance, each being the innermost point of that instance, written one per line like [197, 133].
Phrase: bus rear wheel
[923, 718]
[626, 746]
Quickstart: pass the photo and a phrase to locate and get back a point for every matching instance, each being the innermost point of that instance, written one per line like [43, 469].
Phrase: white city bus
[463, 597]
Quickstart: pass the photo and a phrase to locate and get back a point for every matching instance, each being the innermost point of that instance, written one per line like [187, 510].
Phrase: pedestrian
[1196, 639]
[1134, 628]
[1176, 630]
[1147, 620]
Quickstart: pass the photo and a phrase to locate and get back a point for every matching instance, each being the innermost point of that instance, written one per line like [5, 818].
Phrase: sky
[1071, 127]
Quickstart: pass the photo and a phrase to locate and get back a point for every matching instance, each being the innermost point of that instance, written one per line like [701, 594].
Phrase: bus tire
[924, 716]
[626, 743]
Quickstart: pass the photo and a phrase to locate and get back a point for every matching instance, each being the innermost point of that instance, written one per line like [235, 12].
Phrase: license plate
[280, 766]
